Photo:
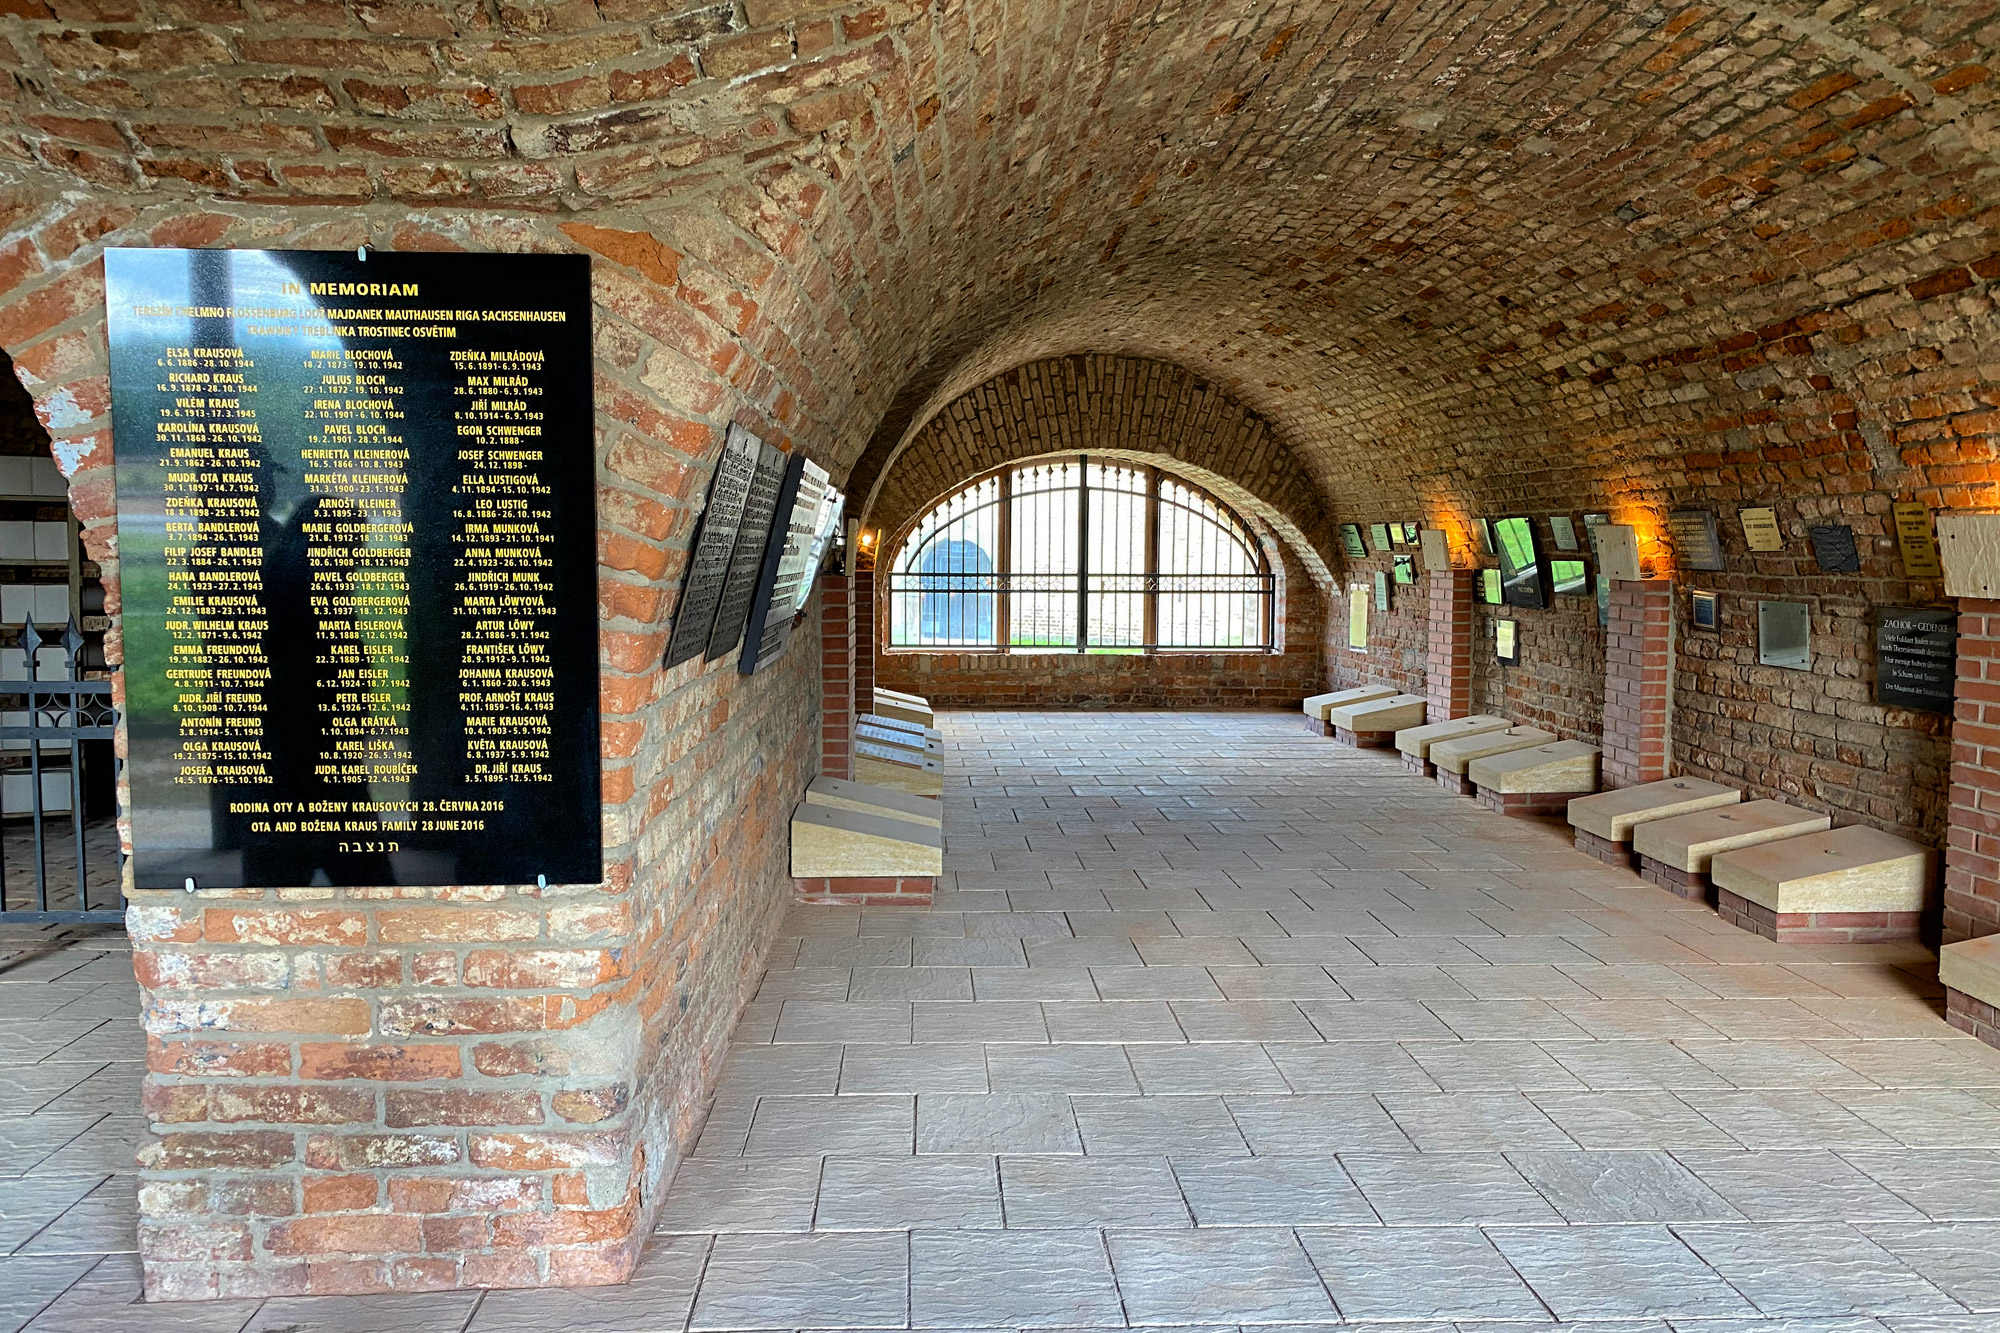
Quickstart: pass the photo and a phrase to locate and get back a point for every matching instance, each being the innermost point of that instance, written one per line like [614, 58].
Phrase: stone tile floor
[1213, 1026]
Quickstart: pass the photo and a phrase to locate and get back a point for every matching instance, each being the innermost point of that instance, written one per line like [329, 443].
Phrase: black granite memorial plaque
[708, 568]
[357, 530]
[1916, 657]
[1697, 545]
[739, 590]
[770, 622]
[1833, 546]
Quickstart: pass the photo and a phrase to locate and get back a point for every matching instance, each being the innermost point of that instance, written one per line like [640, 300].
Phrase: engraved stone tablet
[708, 567]
[357, 534]
[1833, 546]
[771, 614]
[1696, 545]
[746, 561]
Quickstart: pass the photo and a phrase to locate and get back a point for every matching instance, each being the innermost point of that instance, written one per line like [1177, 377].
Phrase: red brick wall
[862, 588]
[836, 676]
[1972, 850]
[1399, 639]
[1638, 683]
[1448, 668]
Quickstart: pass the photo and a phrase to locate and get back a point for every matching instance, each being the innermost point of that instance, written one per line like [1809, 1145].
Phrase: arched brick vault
[1145, 411]
[1461, 257]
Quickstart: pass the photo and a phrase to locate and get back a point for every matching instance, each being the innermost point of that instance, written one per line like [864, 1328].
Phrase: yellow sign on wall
[1760, 529]
[1357, 616]
[1913, 534]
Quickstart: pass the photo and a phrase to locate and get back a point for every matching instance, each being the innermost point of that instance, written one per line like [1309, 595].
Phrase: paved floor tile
[1815, 1269]
[1016, 1279]
[1223, 1276]
[750, 1194]
[1043, 1192]
[1398, 1273]
[824, 1280]
[906, 1193]
[1616, 1272]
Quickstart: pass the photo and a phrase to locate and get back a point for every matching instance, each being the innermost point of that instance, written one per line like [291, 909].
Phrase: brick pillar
[1448, 660]
[836, 677]
[1638, 682]
[864, 629]
[1972, 840]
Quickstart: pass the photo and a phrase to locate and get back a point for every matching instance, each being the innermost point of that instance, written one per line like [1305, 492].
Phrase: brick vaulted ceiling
[1456, 253]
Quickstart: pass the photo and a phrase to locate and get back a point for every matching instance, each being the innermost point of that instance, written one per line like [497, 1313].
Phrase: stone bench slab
[1320, 704]
[887, 802]
[1854, 869]
[903, 696]
[1559, 766]
[1417, 741]
[1970, 972]
[1688, 842]
[1451, 756]
[907, 740]
[899, 767]
[1391, 713]
[1612, 815]
[896, 710]
[829, 842]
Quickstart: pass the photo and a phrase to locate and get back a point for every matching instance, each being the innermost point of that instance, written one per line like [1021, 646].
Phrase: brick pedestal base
[1690, 884]
[1967, 1014]
[1527, 802]
[1423, 768]
[1364, 740]
[1816, 927]
[1603, 849]
[866, 890]
[1318, 727]
[1456, 783]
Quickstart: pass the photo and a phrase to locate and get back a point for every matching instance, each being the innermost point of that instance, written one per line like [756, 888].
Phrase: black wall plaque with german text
[752, 535]
[1916, 657]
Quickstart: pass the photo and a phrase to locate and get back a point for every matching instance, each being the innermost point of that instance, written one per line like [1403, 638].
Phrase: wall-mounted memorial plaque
[1760, 529]
[1564, 531]
[1410, 531]
[1570, 577]
[1350, 541]
[1357, 616]
[1696, 545]
[771, 615]
[1704, 611]
[1395, 534]
[1406, 569]
[826, 534]
[357, 529]
[1482, 531]
[708, 567]
[1507, 641]
[1381, 590]
[1437, 548]
[1491, 589]
[746, 561]
[1784, 635]
[1378, 537]
[1918, 543]
[1833, 546]
[1916, 657]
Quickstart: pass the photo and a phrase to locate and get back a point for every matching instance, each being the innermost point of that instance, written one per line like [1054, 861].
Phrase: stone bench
[887, 802]
[1449, 757]
[1319, 705]
[1414, 743]
[1373, 723]
[1854, 885]
[1970, 972]
[908, 740]
[896, 705]
[897, 766]
[1675, 853]
[1536, 780]
[849, 856]
[898, 724]
[1604, 822]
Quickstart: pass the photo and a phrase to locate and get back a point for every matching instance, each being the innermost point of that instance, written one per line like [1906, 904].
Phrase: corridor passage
[1216, 1025]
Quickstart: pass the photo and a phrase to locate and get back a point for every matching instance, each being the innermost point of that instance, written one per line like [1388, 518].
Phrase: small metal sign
[1760, 529]
[1918, 543]
[1350, 541]
[1378, 536]
[1916, 657]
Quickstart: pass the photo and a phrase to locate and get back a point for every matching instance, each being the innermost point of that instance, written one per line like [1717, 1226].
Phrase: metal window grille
[59, 864]
[1081, 557]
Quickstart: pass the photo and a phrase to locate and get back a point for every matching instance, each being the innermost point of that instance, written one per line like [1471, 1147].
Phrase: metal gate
[57, 862]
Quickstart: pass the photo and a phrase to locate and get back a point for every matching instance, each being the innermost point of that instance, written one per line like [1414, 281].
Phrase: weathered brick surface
[1618, 854]
[866, 890]
[1817, 927]
[1972, 850]
[836, 677]
[1975, 1016]
[1691, 884]
[1448, 655]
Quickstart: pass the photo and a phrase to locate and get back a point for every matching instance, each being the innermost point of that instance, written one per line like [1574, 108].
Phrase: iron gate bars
[47, 716]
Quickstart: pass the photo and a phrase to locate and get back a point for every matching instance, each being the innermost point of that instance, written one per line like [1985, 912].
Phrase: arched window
[1022, 558]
